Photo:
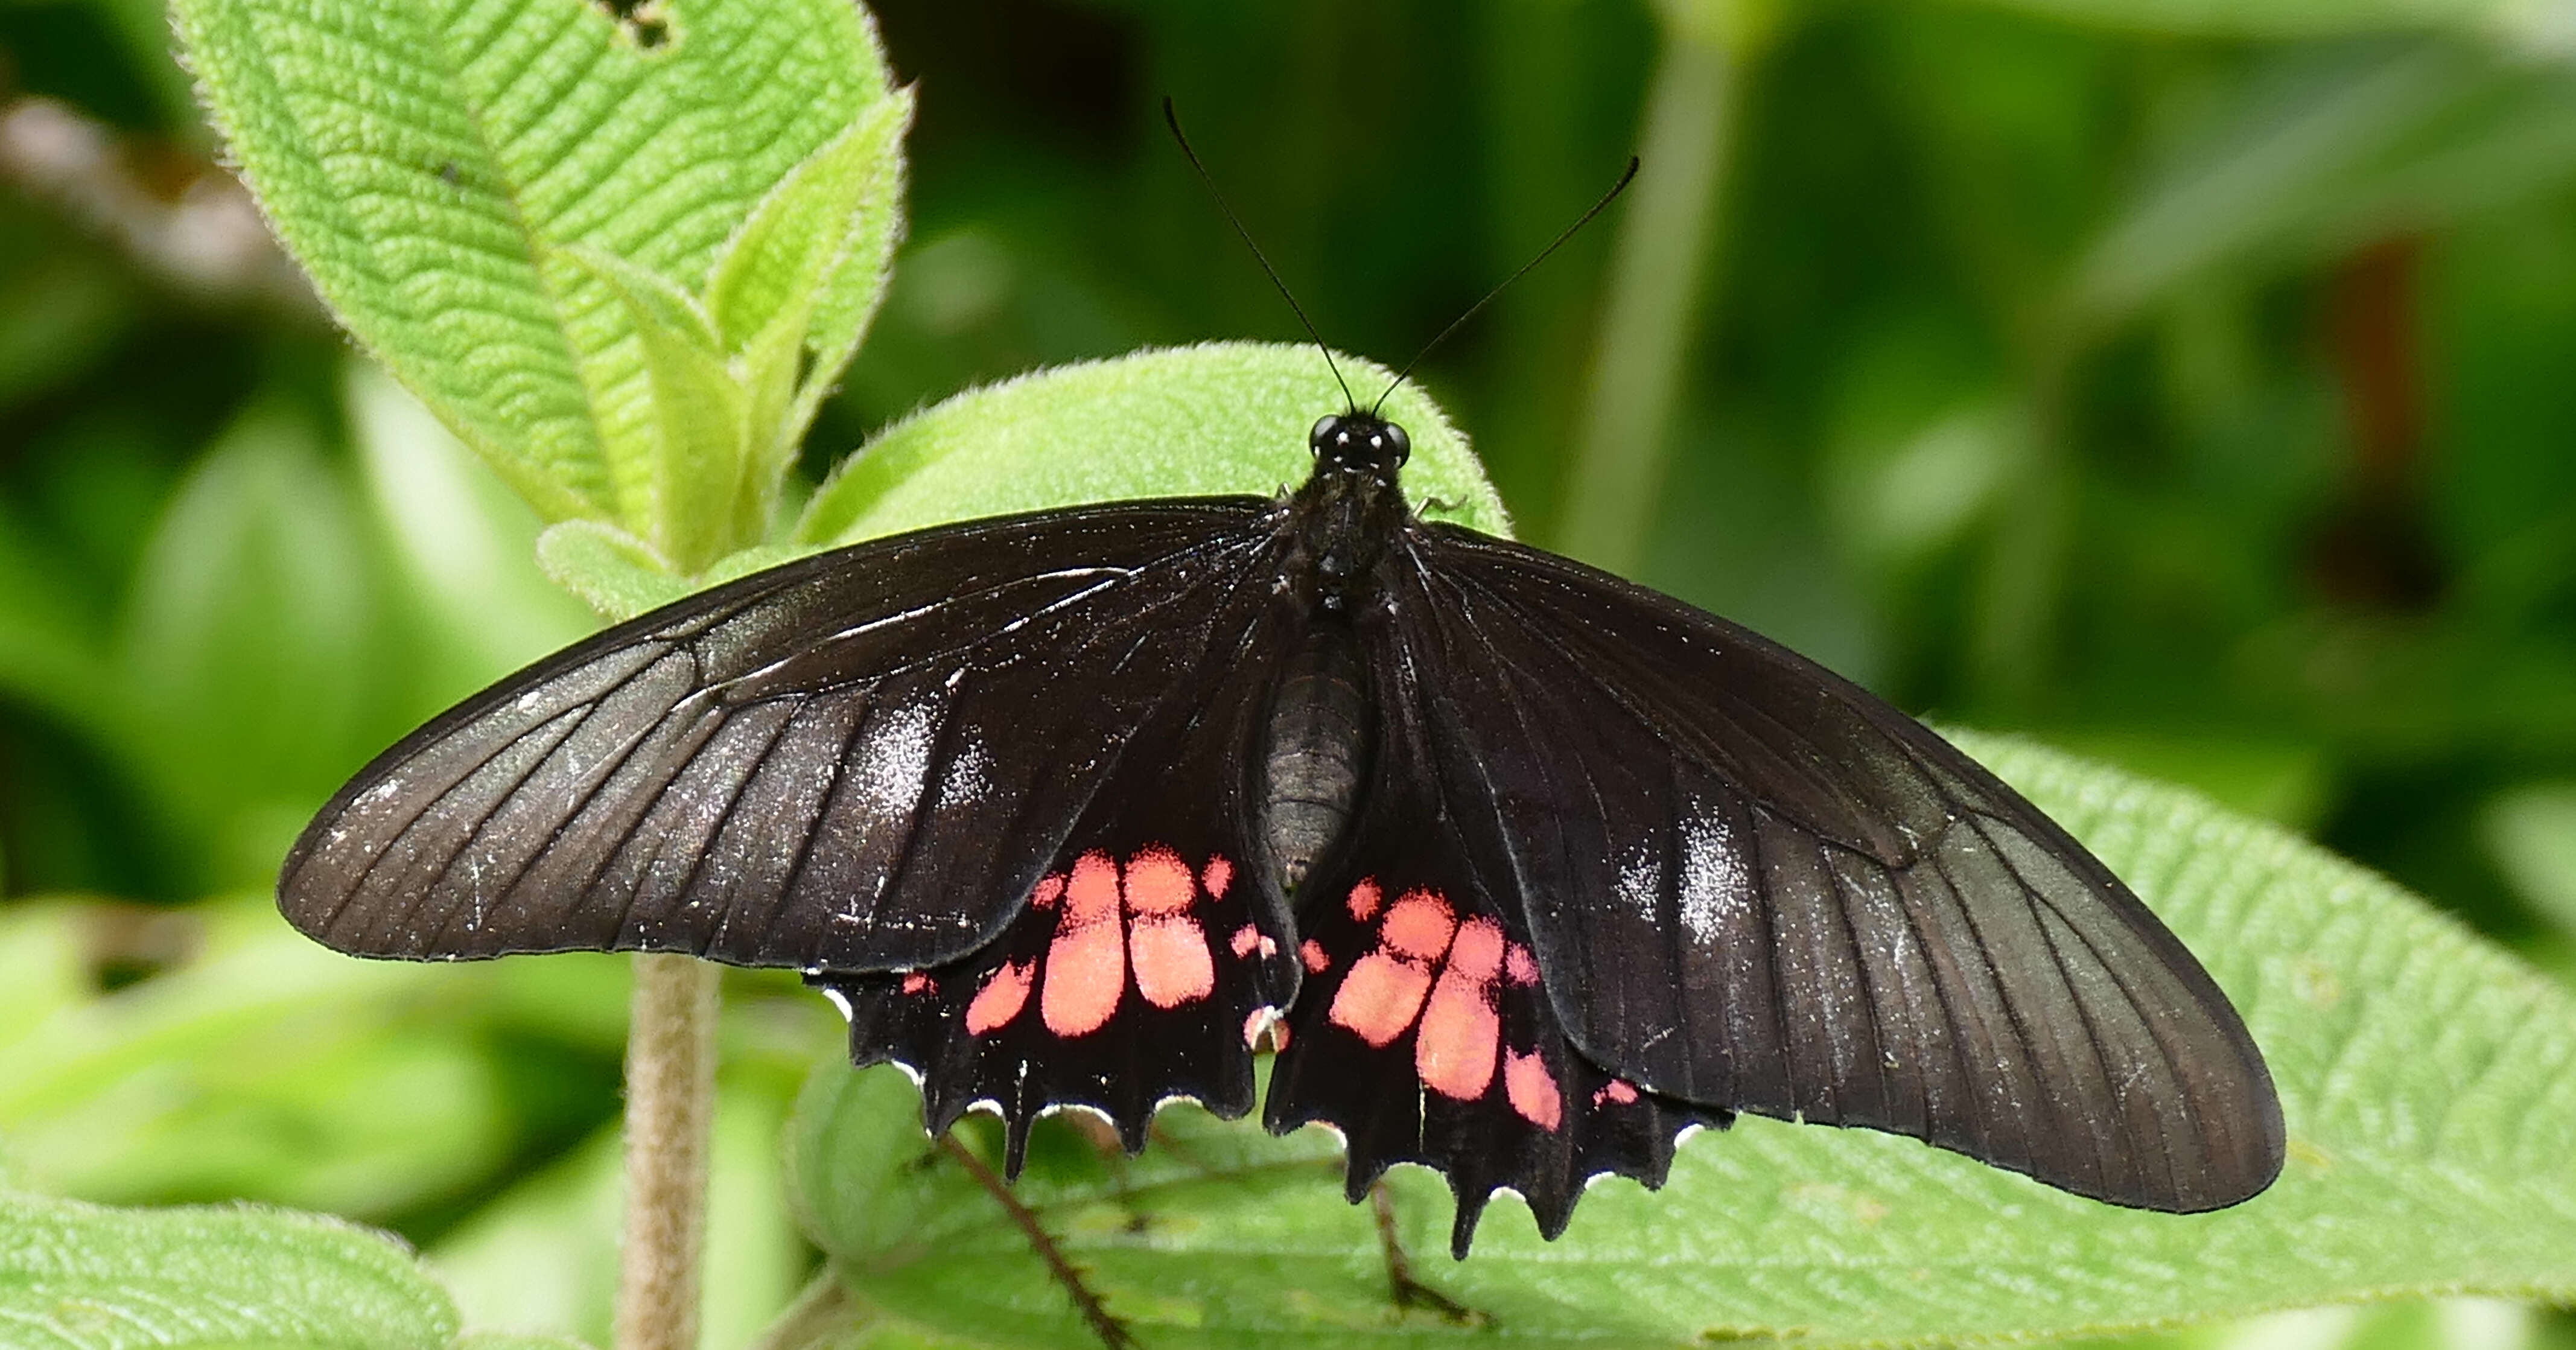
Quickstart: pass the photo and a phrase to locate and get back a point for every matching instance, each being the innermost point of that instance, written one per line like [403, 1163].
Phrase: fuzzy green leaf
[2429, 1081]
[814, 227]
[1222, 417]
[432, 167]
[695, 444]
[615, 573]
[79, 1277]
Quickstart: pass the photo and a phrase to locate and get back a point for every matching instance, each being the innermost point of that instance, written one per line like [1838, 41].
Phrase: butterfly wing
[1422, 1030]
[1152, 952]
[802, 768]
[1748, 884]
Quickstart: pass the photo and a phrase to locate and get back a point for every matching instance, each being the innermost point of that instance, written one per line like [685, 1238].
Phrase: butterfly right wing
[1750, 884]
[860, 761]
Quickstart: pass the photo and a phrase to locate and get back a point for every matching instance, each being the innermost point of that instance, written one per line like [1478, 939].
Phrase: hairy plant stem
[670, 1104]
[1647, 326]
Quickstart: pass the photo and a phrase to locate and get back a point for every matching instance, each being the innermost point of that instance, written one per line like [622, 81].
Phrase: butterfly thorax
[1316, 750]
[1348, 511]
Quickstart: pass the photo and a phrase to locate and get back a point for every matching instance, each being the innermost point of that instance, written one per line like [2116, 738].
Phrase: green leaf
[1218, 418]
[432, 165]
[250, 648]
[2429, 1081]
[75, 1276]
[814, 241]
[615, 573]
[266, 1067]
[814, 248]
[696, 440]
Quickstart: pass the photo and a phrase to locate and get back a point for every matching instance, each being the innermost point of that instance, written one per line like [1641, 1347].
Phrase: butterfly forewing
[861, 761]
[1751, 884]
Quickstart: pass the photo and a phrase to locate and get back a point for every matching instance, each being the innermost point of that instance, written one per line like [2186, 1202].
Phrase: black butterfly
[1521, 867]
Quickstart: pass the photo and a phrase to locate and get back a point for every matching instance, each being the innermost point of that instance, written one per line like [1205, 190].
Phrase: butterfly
[1519, 868]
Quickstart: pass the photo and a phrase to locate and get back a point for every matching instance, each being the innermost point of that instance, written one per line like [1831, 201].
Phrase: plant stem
[1654, 295]
[670, 1104]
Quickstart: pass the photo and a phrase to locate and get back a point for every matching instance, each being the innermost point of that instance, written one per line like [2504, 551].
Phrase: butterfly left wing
[1150, 955]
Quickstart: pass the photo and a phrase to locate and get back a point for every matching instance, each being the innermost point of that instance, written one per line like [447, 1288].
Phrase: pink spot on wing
[1418, 926]
[1005, 992]
[1171, 959]
[1478, 950]
[1617, 1092]
[1050, 888]
[1086, 969]
[1247, 940]
[1364, 900]
[1218, 875]
[1165, 945]
[1254, 1025]
[1461, 1030]
[914, 982]
[1158, 882]
[1269, 946]
[1518, 967]
[1532, 1090]
[1312, 953]
[1380, 997]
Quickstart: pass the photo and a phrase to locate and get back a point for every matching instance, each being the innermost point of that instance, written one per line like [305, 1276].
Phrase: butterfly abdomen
[1315, 751]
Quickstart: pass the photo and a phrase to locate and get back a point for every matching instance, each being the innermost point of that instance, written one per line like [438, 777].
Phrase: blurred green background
[2191, 385]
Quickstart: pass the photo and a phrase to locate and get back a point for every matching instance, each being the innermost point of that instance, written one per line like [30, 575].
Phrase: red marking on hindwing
[1005, 992]
[1218, 875]
[1165, 944]
[1383, 993]
[1364, 900]
[914, 982]
[1158, 882]
[1247, 940]
[1518, 967]
[1050, 888]
[1532, 1089]
[1419, 926]
[1616, 1092]
[1313, 954]
[1461, 1029]
[1086, 967]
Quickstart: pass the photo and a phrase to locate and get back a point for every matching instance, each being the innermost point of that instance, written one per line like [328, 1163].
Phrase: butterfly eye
[1400, 443]
[1326, 431]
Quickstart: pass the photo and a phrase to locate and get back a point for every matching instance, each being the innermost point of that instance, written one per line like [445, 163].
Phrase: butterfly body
[1520, 868]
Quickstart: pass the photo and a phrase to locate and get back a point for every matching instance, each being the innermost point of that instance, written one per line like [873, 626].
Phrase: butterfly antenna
[1626, 177]
[1173, 120]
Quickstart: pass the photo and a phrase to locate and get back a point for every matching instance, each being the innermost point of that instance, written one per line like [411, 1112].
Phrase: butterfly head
[1360, 442]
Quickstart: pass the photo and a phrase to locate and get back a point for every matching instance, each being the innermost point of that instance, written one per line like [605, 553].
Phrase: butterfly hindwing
[1422, 1031]
[1750, 884]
